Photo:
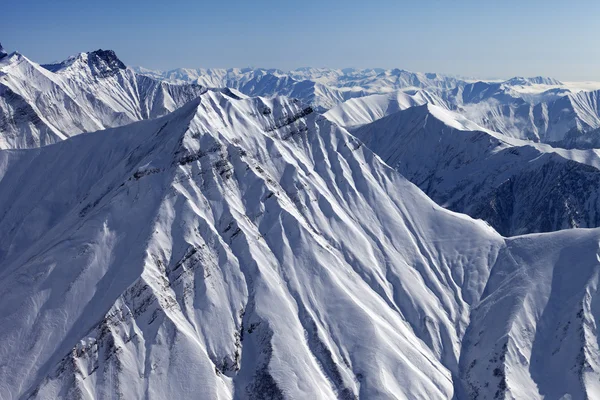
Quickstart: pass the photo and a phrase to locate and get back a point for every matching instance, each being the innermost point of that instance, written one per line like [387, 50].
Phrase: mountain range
[212, 237]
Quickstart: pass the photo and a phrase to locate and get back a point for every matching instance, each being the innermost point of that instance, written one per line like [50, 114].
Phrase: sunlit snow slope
[233, 248]
[249, 248]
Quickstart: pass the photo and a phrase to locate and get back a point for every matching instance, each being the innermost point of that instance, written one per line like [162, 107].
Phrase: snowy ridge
[102, 63]
[363, 110]
[92, 91]
[510, 183]
[560, 119]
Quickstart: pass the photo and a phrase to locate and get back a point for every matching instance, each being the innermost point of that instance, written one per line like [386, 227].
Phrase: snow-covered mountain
[518, 108]
[235, 248]
[517, 186]
[536, 80]
[323, 88]
[561, 120]
[200, 243]
[250, 248]
[363, 110]
[515, 91]
[40, 105]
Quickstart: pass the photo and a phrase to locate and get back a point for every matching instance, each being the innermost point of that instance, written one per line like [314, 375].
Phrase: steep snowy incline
[533, 335]
[250, 248]
[518, 187]
[232, 249]
[91, 91]
[357, 112]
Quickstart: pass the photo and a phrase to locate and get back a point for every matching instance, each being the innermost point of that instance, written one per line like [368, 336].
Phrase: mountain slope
[363, 110]
[516, 186]
[249, 248]
[561, 121]
[91, 91]
[533, 335]
[221, 250]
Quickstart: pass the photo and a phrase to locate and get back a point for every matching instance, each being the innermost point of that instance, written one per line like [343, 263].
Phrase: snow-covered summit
[88, 92]
[219, 250]
[363, 110]
[101, 63]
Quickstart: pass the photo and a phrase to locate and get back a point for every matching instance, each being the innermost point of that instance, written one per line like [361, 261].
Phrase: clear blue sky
[487, 38]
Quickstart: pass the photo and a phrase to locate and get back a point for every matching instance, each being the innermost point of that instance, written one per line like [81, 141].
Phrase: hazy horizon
[480, 41]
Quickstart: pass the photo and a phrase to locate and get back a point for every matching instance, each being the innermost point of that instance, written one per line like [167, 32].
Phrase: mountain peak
[2, 52]
[101, 63]
[105, 60]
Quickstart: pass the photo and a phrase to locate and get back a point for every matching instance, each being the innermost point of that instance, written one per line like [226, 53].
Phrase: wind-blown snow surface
[91, 91]
[249, 248]
[517, 186]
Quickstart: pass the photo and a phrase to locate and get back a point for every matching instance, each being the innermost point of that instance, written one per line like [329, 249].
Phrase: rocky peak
[101, 63]
[104, 62]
